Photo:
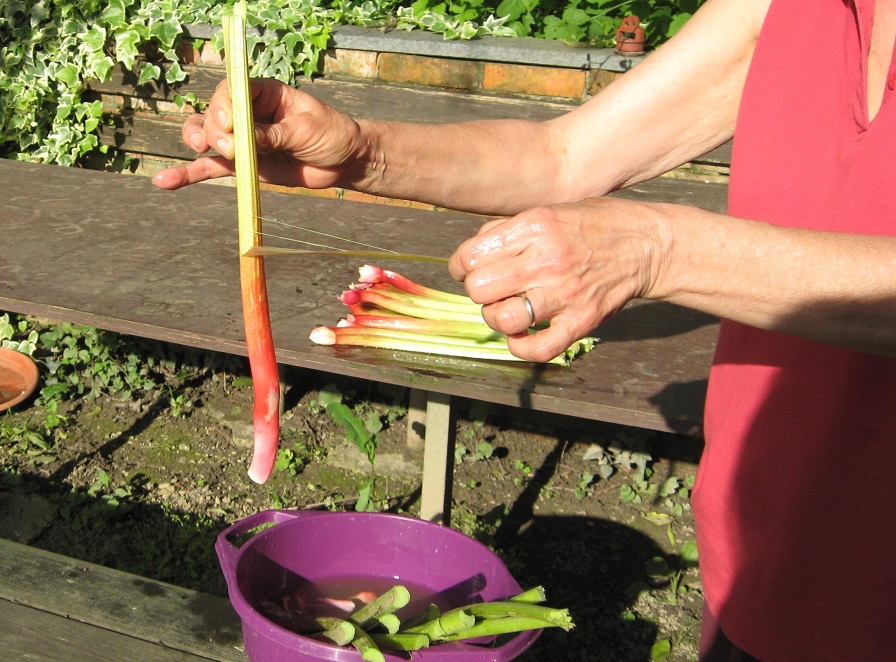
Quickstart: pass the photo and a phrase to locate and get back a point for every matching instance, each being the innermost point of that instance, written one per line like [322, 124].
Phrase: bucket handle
[228, 552]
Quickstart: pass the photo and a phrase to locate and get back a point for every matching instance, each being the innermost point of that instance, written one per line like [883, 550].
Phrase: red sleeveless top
[796, 495]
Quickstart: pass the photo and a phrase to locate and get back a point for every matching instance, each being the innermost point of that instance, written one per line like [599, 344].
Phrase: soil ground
[145, 484]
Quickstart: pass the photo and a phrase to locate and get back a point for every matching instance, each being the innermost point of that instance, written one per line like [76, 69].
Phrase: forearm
[489, 167]
[672, 107]
[830, 287]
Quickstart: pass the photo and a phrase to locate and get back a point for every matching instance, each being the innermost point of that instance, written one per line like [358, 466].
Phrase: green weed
[361, 427]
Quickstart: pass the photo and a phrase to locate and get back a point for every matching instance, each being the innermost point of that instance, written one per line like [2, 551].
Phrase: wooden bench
[57, 608]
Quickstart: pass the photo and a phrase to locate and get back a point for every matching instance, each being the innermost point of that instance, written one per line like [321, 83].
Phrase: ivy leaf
[669, 486]
[126, 47]
[468, 30]
[68, 75]
[114, 14]
[148, 72]
[175, 73]
[95, 38]
[103, 68]
[63, 110]
[165, 32]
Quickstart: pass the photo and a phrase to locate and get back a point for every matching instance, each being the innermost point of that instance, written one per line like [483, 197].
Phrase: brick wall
[519, 79]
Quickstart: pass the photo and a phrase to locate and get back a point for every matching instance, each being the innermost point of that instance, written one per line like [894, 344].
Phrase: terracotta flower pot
[18, 377]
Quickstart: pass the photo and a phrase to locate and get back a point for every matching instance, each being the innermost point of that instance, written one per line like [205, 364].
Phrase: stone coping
[513, 50]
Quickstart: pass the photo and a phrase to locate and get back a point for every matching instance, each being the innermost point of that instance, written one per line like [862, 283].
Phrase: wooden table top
[114, 252]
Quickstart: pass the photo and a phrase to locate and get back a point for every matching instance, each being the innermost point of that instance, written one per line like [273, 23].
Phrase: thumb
[270, 138]
[546, 344]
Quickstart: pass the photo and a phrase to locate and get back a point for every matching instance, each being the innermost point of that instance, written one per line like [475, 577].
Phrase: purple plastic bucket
[319, 547]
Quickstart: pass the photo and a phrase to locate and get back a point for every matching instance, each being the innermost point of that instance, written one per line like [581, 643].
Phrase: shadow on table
[647, 320]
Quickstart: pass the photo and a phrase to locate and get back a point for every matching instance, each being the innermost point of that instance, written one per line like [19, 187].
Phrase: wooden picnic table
[114, 252]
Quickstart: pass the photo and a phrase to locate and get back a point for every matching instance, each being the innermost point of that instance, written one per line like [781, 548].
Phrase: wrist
[663, 241]
[366, 167]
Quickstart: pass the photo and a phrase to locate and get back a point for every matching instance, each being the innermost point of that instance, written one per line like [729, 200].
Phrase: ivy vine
[50, 49]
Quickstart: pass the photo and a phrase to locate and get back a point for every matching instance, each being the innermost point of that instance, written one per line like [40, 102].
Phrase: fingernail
[196, 142]
[222, 119]
[223, 146]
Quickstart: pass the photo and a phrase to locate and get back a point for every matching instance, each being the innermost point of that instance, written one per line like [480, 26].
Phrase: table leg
[417, 419]
[438, 459]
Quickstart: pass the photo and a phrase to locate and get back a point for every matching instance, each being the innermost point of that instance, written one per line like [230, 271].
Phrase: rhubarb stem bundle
[430, 627]
[253, 287]
[390, 311]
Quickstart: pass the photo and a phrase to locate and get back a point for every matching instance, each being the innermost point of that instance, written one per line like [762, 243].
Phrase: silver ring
[529, 308]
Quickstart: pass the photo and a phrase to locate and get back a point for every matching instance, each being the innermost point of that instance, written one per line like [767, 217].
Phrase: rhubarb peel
[256, 318]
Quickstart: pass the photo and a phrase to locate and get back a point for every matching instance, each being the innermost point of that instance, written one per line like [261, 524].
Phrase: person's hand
[300, 141]
[577, 264]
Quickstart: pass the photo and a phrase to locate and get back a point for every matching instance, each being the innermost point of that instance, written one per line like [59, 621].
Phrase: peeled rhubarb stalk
[430, 627]
[256, 318]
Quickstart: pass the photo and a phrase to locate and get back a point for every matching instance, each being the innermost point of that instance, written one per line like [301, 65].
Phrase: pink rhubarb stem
[353, 298]
[472, 330]
[343, 334]
[263, 365]
[253, 287]
[466, 306]
[371, 275]
[357, 336]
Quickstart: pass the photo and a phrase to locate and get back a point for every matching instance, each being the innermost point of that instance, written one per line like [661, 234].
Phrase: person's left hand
[576, 263]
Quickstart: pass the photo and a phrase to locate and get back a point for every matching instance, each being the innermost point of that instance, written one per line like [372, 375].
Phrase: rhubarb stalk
[388, 603]
[256, 318]
[451, 329]
[490, 350]
[383, 299]
[372, 275]
[338, 631]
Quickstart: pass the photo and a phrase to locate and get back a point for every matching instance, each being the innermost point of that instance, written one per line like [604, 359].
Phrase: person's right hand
[300, 140]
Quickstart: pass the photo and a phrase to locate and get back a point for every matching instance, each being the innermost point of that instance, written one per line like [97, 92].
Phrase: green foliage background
[49, 49]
